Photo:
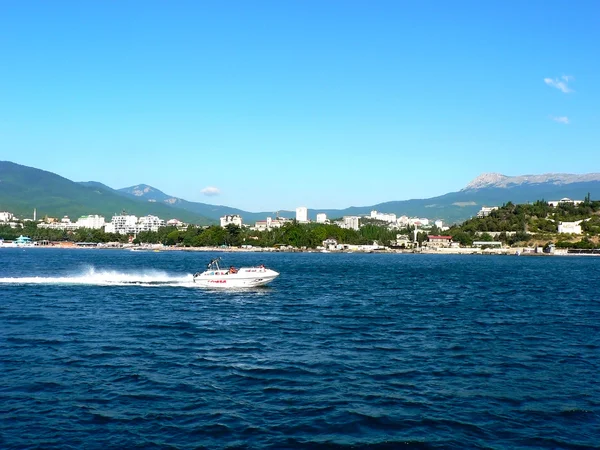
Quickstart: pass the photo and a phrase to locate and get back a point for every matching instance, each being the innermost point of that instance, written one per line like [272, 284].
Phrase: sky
[271, 105]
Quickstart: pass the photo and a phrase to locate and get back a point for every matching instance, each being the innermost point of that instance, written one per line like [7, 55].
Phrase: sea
[108, 349]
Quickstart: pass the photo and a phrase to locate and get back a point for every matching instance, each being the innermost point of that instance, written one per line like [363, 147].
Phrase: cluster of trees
[516, 223]
[293, 234]
[31, 230]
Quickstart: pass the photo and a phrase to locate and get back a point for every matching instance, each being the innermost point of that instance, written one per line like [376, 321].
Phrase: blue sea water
[117, 349]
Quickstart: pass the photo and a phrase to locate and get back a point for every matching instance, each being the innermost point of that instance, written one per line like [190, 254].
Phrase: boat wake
[91, 276]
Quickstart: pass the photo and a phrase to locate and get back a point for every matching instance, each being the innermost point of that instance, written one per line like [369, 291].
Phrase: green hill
[24, 188]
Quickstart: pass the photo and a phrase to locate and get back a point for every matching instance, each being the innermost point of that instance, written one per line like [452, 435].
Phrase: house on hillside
[570, 227]
[486, 211]
[564, 201]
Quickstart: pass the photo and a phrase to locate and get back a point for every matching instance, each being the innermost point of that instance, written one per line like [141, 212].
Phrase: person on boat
[262, 266]
[232, 270]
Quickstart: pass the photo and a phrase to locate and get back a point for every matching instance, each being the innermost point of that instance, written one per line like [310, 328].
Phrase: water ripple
[116, 349]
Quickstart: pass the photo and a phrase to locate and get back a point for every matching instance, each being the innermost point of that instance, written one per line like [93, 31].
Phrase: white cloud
[211, 191]
[561, 83]
[561, 119]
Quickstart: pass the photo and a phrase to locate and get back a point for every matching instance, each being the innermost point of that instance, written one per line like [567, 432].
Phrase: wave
[92, 276]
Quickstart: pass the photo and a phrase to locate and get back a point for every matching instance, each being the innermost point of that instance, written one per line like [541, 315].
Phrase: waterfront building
[23, 240]
[330, 244]
[403, 240]
[321, 218]
[302, 214]
[232, 219]
[439, 241]
[487, 243]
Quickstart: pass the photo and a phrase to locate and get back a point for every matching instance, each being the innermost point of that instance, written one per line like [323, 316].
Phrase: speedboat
[216, 276]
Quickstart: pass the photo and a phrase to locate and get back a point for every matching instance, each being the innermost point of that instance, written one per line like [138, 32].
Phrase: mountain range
[24, 188]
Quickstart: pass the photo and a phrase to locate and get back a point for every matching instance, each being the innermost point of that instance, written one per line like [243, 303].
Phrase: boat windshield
[214, 264]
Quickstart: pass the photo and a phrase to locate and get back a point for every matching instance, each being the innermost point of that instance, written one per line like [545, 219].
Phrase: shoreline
[513, 251]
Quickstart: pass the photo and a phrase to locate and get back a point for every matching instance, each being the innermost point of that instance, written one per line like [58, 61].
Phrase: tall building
[123, 224]
[321, 218]
[351, 222]
[149, 223]
[302, 214]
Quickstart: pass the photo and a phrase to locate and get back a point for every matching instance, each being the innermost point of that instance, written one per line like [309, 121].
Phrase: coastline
[512, 251]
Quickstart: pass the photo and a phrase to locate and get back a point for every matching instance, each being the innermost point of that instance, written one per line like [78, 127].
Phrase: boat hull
[243, 278]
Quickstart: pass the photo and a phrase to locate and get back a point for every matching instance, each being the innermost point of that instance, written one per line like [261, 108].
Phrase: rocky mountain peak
[497, 180]
[486, 180]
[140, 190]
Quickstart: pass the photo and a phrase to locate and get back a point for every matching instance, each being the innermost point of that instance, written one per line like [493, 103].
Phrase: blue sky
[324, 104]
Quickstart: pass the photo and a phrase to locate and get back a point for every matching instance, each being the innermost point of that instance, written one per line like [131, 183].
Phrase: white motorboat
[216, 276]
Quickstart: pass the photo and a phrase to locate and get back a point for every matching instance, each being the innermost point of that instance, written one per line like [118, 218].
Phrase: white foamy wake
[91, 276]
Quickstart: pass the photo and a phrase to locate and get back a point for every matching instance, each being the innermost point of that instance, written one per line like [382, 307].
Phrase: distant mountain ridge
[148, 193]
[488, 189]
[497, 180]
[23, 188]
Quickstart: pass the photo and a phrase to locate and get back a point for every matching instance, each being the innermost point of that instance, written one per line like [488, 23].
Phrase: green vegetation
[39, 234]
[24, 188]
[293, 234]
[537, 221]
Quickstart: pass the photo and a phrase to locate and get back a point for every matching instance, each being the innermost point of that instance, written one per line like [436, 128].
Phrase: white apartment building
[321, 218]
[123, 224]
[384, 217]
[5, 216]
[233, 219]
[570, 227]
[149, 223]
[94, 221]
[351, 222]
[302, 214]
[486, 211]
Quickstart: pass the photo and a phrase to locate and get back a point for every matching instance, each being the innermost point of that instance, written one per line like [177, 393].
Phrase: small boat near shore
[216, 276]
